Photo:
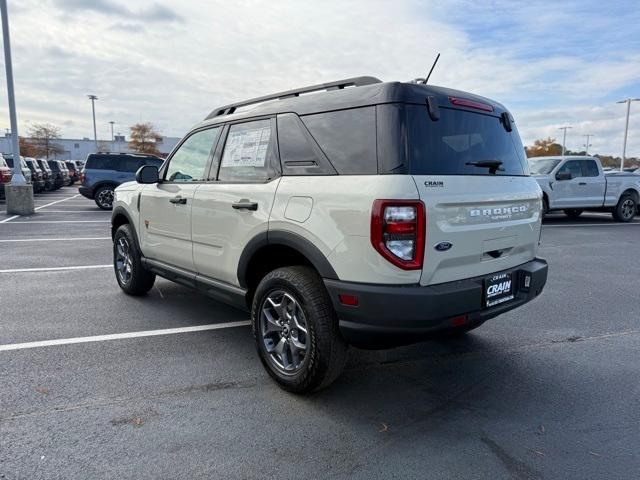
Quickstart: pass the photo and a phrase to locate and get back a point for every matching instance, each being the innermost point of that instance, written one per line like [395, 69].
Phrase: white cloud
[172, 63]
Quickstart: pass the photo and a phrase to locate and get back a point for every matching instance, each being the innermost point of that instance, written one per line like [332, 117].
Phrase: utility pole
[564, 138]
[587, 145]
[18, 193]
[93, 99]
[626, 128]
[112, 123]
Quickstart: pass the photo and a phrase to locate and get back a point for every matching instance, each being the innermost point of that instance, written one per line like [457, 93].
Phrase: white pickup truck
[576, 183]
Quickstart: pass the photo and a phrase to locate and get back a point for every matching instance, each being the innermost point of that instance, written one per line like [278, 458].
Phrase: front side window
[189, 162]
[247, 153]
[573, 167]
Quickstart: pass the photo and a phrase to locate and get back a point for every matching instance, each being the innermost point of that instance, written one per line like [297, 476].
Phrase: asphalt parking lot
[548, 391]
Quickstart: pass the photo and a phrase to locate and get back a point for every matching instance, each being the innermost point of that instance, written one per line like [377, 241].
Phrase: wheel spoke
[272, 324]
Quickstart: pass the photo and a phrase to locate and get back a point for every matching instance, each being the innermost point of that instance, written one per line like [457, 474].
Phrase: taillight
[398, 232]
[82, 177]
[5, 176]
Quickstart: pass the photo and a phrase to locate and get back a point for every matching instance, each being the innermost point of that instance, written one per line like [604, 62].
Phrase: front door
[165, 207]
[568, 193]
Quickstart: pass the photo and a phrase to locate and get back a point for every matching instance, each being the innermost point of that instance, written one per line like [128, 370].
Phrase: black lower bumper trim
[404, 314]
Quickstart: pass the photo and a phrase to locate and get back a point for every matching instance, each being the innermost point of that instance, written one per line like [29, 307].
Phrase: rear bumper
[388, 315]
[86, 192]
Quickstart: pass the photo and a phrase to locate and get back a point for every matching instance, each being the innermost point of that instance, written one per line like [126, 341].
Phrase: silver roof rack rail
[340, 84]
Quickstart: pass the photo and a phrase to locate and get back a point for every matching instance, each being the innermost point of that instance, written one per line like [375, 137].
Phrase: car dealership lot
[547, 391]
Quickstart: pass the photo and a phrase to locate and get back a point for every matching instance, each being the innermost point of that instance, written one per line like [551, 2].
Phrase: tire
[573, 212]
[626, 209]
[104, 197]
[132, 277]
[313, 324]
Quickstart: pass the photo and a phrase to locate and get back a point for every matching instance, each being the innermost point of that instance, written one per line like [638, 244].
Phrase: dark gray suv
[103, 172]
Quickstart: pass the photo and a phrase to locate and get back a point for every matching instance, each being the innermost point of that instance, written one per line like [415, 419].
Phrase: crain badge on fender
[443, 246]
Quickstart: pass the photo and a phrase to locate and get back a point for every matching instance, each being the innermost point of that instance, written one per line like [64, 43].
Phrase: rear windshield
[450, 145]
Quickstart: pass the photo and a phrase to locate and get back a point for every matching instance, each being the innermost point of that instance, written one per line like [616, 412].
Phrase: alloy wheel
[628, 209]
[105, 198]
[124, 262]
[284, 332]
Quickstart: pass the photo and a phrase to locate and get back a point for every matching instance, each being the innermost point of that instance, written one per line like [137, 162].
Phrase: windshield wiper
[492, 165]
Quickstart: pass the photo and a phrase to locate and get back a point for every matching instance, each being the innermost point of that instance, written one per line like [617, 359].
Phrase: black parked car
[59, 177]
[37, 176]
[47, 174]
[74, 171]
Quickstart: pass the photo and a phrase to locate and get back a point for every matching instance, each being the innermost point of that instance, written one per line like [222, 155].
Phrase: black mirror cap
[147, 174]
[563, 176]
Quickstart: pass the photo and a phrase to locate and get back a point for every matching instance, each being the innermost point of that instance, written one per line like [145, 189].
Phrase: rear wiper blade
[492, 165]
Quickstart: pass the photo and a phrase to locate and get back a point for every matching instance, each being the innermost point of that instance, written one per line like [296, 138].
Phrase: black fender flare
[287, 239]
[122, 211]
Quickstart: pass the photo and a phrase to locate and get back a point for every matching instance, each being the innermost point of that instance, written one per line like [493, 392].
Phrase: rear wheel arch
[275, 249]
[633, 193]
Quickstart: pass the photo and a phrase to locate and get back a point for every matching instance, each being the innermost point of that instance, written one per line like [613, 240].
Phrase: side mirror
[147, 174]
[563, 176]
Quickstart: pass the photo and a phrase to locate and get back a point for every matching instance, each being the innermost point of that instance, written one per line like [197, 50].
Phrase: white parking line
[62, 221]
[76, 211]
[17, 240]
[588, 225]
[121, 336]
[53, 269]
[38, 208]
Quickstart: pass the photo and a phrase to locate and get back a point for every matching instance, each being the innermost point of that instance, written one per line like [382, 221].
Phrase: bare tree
[42, 137]
[144, 138]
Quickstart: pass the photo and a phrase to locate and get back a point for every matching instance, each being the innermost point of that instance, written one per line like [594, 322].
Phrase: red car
[5, 175]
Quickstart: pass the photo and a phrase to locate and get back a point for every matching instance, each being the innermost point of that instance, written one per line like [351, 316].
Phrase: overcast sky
[171, 63]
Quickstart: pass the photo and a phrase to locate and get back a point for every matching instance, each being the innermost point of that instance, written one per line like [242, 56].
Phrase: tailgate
[477, 225]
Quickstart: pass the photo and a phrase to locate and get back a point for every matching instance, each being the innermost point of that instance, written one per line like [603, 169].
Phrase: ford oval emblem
[443, 246]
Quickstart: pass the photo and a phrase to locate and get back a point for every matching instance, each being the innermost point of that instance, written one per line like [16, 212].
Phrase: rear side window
[589, 168]
[247, 153]
[450, 145]
[348, 139]
[299, 153]
[128, 164]
[101, 162]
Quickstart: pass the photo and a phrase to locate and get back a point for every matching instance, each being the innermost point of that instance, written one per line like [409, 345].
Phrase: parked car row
[44, 175]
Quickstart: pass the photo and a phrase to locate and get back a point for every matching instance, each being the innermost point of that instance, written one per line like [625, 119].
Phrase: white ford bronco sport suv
[367, 213]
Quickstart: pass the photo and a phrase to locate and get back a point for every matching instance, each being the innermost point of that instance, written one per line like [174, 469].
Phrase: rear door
[481, 216]
[165, 207]
[234, 208]
[593, 184]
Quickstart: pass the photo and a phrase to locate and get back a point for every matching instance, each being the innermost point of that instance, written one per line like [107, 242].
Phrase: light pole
[17, 178]
[626, 128]
[587, 145]
[112, 123]
[19, 193]
[93, 99]
[564, 137]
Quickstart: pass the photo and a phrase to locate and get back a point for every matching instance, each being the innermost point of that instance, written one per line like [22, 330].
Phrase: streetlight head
[92, 97]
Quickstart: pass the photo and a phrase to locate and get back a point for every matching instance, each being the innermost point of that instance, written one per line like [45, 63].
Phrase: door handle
[178, 200]
[582, 183]
[245, 204]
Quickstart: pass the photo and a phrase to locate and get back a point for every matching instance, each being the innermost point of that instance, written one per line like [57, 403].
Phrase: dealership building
[78, 149]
